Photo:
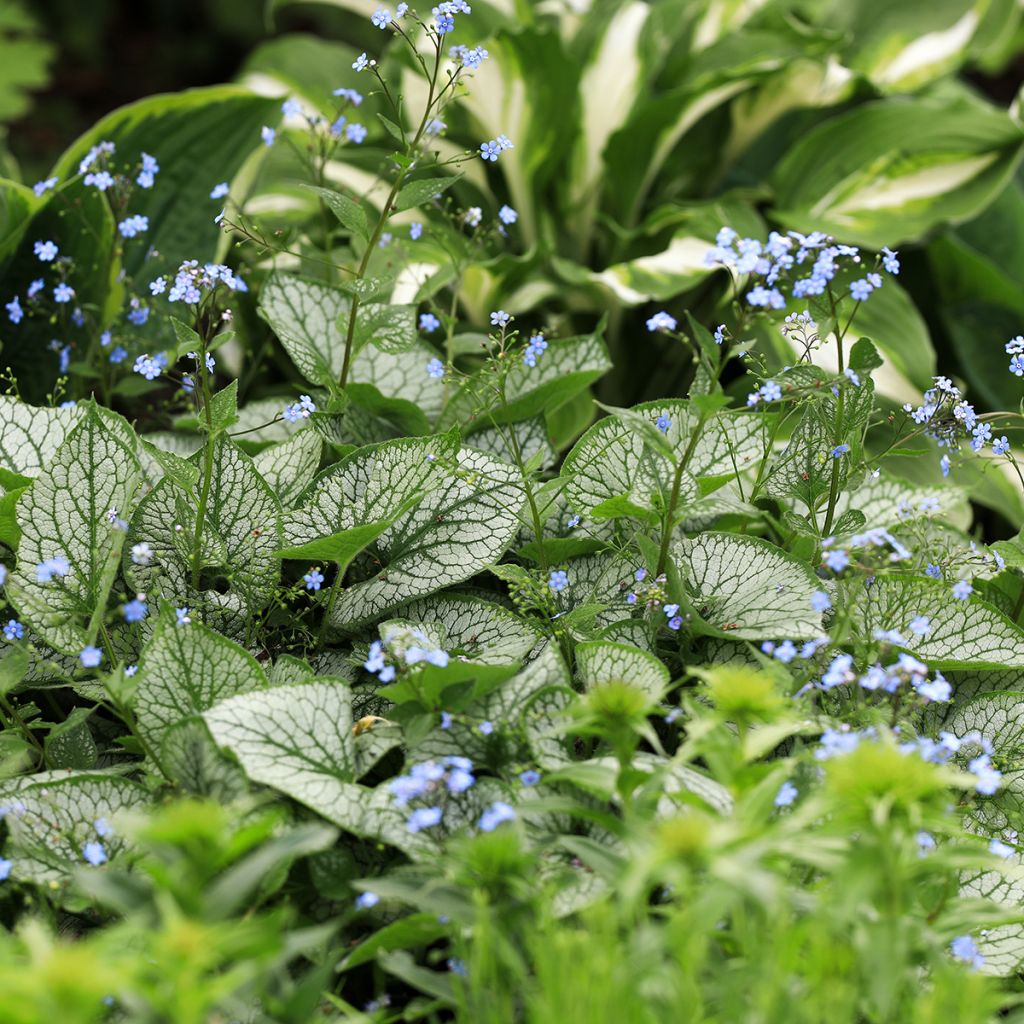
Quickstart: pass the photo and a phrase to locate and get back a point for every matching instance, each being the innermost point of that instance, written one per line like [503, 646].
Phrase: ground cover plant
[366, 658]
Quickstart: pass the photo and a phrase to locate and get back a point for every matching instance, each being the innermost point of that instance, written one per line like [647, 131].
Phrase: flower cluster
[429, 781]
[193, 282]
[402, 648]
[300, 410]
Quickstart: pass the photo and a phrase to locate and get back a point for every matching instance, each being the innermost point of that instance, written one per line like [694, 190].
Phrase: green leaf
[240, 536]
[65, 513]
[964, 634]
[195, 764]
[297, 739]
[864, 355]
[224, 408]
[289, 467]
[349, 212]
[748, 588]
[411, 932]
[416, 193]
[156, 462]
[59, 818]
[888, 172]
[386, 328]
[185, 670]
[197, 136]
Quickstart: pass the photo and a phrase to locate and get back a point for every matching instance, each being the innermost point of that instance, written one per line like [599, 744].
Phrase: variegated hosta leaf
[289, 467]
[887, 501]
[30, 435]
[372, 485]
[297, 739]
[240, 537]
[471, 628]
[184, 670]
[456, 531]
[52, 820]
[748, 587]
[567, 367]
[306, 316]
[612, 459]
[602, 662]
[963, 634]
[65, 514]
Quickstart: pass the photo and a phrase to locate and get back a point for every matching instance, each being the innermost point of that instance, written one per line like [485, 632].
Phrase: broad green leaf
[349, 212]
[289, 467]
[963, 634]
[416, 193]
[158, 462]
[29, 435]
[459, 528]
[185, 670]
[888, 172]
[410, 932]
[748, 587]
[568, 367]
[297, 739]
[199, 137]
[601, 662]
[305, 315]
[66, 514]
[239, 570]
[224, 408]
[59, 817]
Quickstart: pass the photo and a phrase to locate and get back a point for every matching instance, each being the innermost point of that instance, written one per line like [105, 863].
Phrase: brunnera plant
[495, 667]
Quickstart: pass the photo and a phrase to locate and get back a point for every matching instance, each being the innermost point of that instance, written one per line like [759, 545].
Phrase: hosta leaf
[748, 587]
[297, 739]
[185, 670]
[59, 817]
[239, 569]
[29, 436]
[65, 513]
[567, 367]
[963, 634]
[890, 171]
[459, 528]
[289, 467]
[306, 316]
[601, 663]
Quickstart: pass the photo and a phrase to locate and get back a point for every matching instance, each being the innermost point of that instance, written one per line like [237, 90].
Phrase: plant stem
[677, 483]
[204, 494]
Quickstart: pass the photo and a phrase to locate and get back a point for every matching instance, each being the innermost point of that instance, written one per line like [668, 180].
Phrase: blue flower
[1001, 849]
[920, 625]
[365, 900]
[820, 601]
[861, 290]
[90, 656]
[381, 18]
[435, 368]
[534, 348]
[785, 652]
[46, 251]
[150, 168]
[415, 231]
[56, 566]
[987, 778]
[268, 135]
[40, 187]
[361, 63]
[147, 367]
[934, 571]
[429, 322]
[182, 616]
[962, 590]
[889, 260]
[1017, 365]
[558, 580]
[663, 423]
[720, 334]
[103, 828]
[63, 293]
[486, 727]
[14, 630]
[424, 817]
[14, 311]
[839, 450]
[529, 777]
[661, 322]
[499, 318]
[786, 795]
[375, 659]
[94, 854]
[1001, 446]
[964, 948]
[355, 133]
[573, 521]
[313, 579]
[135, 611]
[219, 191]
[132, 226]
[507, 215]
[490, 150]
[495, 815]
[118, 354]
[837, 560]
[5, 865]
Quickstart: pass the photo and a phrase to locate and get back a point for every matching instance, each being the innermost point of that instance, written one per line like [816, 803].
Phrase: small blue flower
[934, 571]
[839, 450]
[46, 251]
[183, 617]
[91, 657]
[1001, 849]
[962, 590]
[820, 601]
[529, 777]
[536, 346]
[1001, 446]
[861, 290]
[964, 948]
[1017, 365]
[889, 260]
[268, 135]
[720, 334]
[219, 191]
[63, 293]
[94, 854]
[361, 63]
[786, 795]
[132, 226]
[57, 566]
[118, 354]
[424, 817]
[366, 900]
[558, 580]
[41, 187]
[486, 727]
[313, 579]
[507, 215]
[103, 828]
[920, 625]
[429, 322]
[499, 318]
[415, 231]
[381, 18]
[663, 423]
[490, 150]
[837, 560]
[495, 815]
[14, 311]
[5, 866]
[355, 133]
[135, 611]
[573, 521]
[661, 322]
[435, 368]
[14, 630]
